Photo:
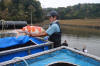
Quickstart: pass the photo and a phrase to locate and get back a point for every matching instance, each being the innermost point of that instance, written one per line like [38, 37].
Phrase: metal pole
[31, 16]
[2, 25]
[3, 22]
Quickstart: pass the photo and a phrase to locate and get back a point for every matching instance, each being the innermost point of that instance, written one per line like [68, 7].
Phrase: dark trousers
[57, 45]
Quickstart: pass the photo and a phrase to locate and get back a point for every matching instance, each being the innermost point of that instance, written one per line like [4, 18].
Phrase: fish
[27, 30]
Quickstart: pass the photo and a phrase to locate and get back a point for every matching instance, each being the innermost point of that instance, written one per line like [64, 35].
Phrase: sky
[64, 3]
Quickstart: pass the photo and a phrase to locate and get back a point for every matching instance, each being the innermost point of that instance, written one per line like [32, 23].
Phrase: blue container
[61, 54]
[9, 42]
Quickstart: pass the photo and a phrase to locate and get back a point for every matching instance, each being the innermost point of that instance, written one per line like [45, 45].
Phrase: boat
[12, 24]
[11, 47]
[61, 56]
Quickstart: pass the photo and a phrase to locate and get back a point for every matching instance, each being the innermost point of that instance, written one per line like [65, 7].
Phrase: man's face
[52, 18]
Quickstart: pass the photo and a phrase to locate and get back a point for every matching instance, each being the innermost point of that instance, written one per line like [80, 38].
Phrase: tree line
[79, 11]
[31, 10]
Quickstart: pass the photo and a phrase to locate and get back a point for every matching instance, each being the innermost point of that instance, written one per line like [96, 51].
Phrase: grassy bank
[81, 27]
[82, 22]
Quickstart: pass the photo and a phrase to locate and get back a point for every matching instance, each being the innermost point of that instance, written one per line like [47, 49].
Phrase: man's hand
[35, 35]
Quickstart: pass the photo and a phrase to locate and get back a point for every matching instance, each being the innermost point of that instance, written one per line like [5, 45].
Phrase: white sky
[64, 3]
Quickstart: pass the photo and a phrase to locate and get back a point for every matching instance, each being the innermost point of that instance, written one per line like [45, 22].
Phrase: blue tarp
[12, 41]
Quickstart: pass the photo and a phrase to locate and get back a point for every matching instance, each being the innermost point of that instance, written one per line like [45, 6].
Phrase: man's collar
[54, 21]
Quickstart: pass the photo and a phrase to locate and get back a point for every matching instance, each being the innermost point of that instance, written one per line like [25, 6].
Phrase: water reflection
[82, 32]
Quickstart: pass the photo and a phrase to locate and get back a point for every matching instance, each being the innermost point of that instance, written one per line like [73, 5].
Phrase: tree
[21, 10]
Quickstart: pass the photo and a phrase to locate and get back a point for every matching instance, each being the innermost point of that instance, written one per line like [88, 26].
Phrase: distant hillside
[21, 10]
[80, 11]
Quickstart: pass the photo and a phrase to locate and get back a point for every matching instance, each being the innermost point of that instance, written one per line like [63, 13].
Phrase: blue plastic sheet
[12, 41]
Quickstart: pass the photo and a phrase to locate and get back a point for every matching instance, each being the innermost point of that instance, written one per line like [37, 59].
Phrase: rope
[21, 59]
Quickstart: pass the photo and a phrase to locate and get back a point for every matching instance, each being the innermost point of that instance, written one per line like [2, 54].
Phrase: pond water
[80, 37]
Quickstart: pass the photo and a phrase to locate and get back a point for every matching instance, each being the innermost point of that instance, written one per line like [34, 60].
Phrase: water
[80, 37]
[92, 43]
[65, 56]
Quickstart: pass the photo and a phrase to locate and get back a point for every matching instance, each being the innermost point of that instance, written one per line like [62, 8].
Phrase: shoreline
[81, 26]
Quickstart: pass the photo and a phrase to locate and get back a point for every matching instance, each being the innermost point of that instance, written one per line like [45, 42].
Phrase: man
[54, 31]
